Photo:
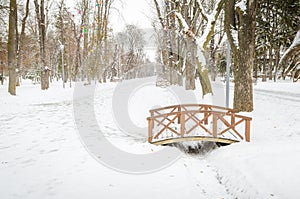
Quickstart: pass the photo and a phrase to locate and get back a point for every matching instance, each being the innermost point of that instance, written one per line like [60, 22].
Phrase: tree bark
[243, 52]
[40, 15]
[190, 65]
[21, 40]
[12, 47]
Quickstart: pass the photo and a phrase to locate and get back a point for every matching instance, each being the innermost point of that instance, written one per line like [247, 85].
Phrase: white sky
[137, 12]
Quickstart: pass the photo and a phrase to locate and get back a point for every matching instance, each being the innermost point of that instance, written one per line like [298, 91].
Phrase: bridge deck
[194, 138]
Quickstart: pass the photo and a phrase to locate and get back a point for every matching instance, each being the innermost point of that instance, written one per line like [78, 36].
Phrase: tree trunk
[212, 66]
[244, 53]
[277, 55]
[264, 75]
[190, 65]
[21, 41]
[271, 63]
[11, 47]
[204, 78]
[40, 15]
[243, 94]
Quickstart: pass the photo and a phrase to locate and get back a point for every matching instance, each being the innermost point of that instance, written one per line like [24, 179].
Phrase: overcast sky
[137, 12]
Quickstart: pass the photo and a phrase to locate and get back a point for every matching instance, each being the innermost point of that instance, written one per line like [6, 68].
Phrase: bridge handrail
[199, 111]
[180, 112]
[191, 105]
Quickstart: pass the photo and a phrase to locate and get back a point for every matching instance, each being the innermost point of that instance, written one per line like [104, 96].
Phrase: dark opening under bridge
[197, 122]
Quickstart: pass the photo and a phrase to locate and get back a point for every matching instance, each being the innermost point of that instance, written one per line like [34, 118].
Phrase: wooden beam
[215, 125]
[247, 130]
[166, 126]
[150, 126]
[194, 138]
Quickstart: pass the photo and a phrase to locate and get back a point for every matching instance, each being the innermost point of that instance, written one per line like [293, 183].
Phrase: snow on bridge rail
[197, 122]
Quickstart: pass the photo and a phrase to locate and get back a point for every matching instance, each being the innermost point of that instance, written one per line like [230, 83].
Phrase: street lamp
[228, 63]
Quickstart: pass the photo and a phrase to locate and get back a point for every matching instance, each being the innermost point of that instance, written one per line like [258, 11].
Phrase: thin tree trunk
[271, 65]
[190, 65]
[277, 54]
[21, 40]
[264, 76]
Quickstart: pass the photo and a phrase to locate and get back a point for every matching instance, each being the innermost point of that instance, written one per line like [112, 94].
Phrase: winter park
[196, 99]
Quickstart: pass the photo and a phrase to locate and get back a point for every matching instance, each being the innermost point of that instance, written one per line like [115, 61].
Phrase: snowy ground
[43, 153]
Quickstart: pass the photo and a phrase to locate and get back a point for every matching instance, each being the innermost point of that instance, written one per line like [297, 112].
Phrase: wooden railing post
[150, 126]
[247, 130]
[215, 125]
[233, 120]
[182, 122]
[205, 115]
[179, 111]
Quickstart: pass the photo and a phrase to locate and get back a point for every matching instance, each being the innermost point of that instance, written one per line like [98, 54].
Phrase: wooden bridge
[197, 122]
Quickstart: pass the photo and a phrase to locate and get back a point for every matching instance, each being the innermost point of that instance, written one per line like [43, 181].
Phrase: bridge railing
[197, 121]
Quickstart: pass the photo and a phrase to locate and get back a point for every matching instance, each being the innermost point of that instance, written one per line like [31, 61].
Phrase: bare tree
[12, 46]
[22, 39]
[191, 19]
[40, 15]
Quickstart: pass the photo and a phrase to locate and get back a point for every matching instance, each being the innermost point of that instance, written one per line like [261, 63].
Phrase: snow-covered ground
[49, 142]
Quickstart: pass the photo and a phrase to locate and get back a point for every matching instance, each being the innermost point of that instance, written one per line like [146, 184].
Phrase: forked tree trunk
[244, 53]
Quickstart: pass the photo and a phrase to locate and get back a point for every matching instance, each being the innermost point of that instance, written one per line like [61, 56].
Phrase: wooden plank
[193, 117]
[164, 108]
[247, 130]
[232, 127]
[165, 116]
[194, 138]
[182, 128]
[205, 129]
[191, 129]
[150, 126]
[179, 110]
[206, 115]
[205, 119]
[215, 125]
[166, 126]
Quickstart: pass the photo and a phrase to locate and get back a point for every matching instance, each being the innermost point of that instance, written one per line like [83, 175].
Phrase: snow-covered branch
[202, 11]
[212, 18]
[182, 22]
[202, 42]
[294, 47]
[241, 6]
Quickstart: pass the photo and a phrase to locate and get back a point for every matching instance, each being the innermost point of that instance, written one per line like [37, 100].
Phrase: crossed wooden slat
[184, 115]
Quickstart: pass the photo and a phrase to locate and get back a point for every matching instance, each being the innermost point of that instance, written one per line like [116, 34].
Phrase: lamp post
[227, 74]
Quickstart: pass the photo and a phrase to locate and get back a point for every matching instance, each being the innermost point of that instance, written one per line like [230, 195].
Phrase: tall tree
[196, 24]
[240, 24]
[12, 46]
[277, 23]
[22, 38]
[40, 15]
[293, 53]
